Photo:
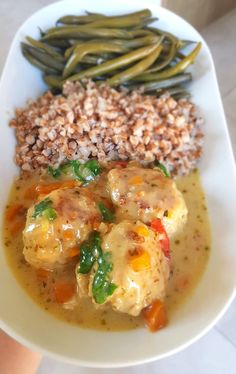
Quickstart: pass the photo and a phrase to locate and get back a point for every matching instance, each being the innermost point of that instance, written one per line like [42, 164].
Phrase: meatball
[49, 242]
[140, 269]
[147, 194]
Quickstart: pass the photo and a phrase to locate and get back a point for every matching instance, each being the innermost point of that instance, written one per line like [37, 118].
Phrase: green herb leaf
[106, 214]
[102, 287]
[50, 214]
[83, 172]
[41, 207]
[75, 165]
[162, 168]
[93, 166]
[55, 173]
[89, 250]
[91, 253]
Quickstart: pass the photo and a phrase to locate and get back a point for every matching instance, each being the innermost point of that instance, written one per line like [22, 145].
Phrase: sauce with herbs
[189, 255]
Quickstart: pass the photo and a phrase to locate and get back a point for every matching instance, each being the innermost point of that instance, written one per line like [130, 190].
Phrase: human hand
[15, 358]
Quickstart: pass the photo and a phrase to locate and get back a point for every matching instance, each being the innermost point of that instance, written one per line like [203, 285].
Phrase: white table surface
[216, 351]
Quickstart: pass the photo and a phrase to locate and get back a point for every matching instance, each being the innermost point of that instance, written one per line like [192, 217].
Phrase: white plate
[32, 326]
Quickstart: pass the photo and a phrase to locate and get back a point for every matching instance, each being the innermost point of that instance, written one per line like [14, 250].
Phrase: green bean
[167, 34]
[144, 13]
[64, 28]
[51, 51]
[139, 42]
[146, 22]
[85, 32]
[174, 70]
[114, 64]
[139, 32]
[79, 20]
[91, 17]
[184, 43]
[135, 43]
[42, 33]
[121, 22]
[172, 91]
[57, 43]
[89, 48]
[180, 55]
[165, 83]
[53, 81]
[136, 69]
[44, 57]
[161, 65]
[69, 50]
[37, 63]
[92, 60]
[182, 95]
[94, 14]
[97, 60]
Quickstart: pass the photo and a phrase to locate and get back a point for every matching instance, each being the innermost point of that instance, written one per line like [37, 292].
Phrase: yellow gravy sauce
[189, 256]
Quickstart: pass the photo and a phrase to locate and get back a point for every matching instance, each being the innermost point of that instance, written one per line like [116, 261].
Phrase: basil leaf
[106, 214]
[162, 168]
[41, 207]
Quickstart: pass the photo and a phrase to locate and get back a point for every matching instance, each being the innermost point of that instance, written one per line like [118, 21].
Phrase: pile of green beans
[119, 50]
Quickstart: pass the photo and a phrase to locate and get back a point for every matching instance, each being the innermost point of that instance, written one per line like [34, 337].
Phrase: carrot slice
[139, 260]
[155, 316]
[63, 291]
[15, 210]
[68, 234]
[74, 251]
[136, 180]
[44, 189]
